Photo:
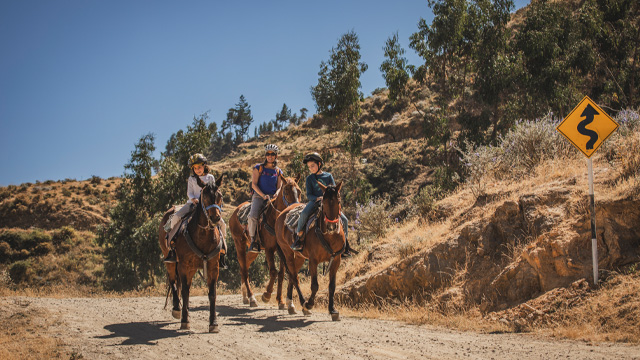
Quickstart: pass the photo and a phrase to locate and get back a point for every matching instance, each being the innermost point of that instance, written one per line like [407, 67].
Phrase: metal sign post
[594, 240]
[587, 140]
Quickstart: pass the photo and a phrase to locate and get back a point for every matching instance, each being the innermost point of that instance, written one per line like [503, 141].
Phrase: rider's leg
[256, 206]
[175, 222]
[223, 251]
[345, 228]
[302, 222]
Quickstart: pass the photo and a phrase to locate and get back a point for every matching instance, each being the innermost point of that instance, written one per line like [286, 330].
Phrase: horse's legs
[313, 272]
[273, 273]
[244, 274]
[281, 305]
[298, 262]
[174, 284]
[186, 285]
[213, 282]
[333, 270]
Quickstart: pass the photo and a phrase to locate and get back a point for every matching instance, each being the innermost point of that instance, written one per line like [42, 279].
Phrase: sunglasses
[271, 154]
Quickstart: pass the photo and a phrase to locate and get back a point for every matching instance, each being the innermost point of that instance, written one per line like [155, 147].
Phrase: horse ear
[339, 186]
[219, 181]
[298, 178]
[200, 182]
[322, 187]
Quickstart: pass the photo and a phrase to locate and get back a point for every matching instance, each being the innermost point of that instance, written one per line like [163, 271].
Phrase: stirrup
[254, 247]
[297, 245]
[171, 257]
[223, 262]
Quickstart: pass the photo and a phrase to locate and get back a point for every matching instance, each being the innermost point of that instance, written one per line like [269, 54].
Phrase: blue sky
[82, 80]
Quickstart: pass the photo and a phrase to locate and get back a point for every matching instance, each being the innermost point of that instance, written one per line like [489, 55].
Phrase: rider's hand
[266, 197]
[195, 201]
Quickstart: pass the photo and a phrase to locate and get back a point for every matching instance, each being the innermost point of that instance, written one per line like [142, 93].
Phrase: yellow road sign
[587, 126]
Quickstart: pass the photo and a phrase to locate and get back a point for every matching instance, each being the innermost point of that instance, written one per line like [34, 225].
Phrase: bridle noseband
[211, 225]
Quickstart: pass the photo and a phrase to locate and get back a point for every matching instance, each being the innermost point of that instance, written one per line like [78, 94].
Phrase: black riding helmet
[313, 157]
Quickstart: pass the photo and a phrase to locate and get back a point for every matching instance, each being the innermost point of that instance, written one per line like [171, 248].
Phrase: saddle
[292, 218]
[181, 226]
[243, 218]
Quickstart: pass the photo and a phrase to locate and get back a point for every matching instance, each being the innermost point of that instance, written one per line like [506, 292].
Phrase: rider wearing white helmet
[266, 179]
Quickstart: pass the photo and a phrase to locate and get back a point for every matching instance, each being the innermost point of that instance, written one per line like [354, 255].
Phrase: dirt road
[139, 328]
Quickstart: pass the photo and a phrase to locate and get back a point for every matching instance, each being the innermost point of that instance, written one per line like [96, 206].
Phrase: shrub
[425, 201]
[19, 271]
[63, 235]
[66, 192]
[372, 220]
[95, 179]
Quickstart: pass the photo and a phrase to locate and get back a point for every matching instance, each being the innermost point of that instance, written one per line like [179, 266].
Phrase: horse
[323, 243]
[288, 193]
[198, 247]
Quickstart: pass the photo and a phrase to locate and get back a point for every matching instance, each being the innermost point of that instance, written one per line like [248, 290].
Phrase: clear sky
[82, 80]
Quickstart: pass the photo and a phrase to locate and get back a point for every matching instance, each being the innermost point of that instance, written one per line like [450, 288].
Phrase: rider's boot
[171, 257]
[298, 244]
[255, 246]
[347, 250]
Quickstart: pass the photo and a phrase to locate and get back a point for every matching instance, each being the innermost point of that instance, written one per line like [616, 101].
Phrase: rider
[314, 162]
[199, 167]
[266, 179]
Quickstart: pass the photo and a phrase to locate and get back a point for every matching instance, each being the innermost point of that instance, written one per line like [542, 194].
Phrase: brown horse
[197, 248]
[324, 242]
[288, 193]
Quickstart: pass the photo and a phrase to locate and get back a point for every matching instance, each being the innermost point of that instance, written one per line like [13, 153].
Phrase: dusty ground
[140, 328]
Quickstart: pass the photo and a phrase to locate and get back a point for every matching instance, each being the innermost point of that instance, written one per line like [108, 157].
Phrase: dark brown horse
[289, 193]
[324, 242]
[198, 248]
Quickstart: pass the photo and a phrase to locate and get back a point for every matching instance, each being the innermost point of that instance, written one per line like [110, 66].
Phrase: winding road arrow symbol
[589, 113]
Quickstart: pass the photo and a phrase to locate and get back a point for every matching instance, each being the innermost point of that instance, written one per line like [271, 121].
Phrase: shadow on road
[141, 333]
[233, 316]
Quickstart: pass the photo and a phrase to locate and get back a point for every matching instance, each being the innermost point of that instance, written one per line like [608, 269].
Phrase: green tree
[337, 94]
[131, 251]
[283, 118]
[395, 69]
[240, 119]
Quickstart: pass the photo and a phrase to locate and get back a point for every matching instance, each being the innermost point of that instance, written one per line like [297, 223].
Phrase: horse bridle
[211, 225]
[327, 220]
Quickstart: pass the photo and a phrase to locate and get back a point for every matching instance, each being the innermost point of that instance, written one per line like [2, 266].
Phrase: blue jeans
[304, 217]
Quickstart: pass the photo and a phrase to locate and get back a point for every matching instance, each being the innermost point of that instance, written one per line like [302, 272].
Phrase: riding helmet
[196, 159]
[272, 147]
[313, 157]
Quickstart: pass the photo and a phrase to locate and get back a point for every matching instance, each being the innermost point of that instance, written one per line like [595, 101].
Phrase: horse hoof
[266, 297]
[214, 329]
[175, 314]
[245, 301]
[281, 306]
[184, 326]
[292, 310]
[335, 316]
[253, 304]
[305, 311]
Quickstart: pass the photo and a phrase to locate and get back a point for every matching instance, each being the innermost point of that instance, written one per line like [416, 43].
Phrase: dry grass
[23, 333]
[611, 313]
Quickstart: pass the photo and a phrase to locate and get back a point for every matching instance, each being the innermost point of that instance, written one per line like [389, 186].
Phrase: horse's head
[331, 207]
[211, 199]
[290, 191]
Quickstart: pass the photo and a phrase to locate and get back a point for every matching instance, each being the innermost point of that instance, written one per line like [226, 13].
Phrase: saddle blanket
[243, 213]
[294, 216]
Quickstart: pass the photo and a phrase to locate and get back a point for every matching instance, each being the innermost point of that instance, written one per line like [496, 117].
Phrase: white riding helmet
[272, 147]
